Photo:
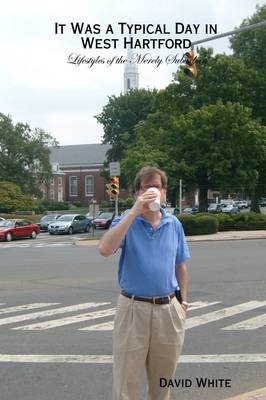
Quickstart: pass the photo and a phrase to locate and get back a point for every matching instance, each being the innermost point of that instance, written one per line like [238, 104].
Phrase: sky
[40, 87]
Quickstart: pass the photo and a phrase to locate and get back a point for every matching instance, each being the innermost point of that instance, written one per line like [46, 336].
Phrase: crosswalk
[99, 315]
[34, 245]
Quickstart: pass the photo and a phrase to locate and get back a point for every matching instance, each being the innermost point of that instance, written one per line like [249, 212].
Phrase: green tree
[225, 78]
[119, 117]
[12, 199]
[249, 47]
[24, 154]
[212, 147]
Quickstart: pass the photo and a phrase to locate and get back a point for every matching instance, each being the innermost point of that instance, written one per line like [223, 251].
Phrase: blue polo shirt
[149, 256]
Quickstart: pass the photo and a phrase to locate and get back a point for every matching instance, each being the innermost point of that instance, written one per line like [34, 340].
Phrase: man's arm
[111, 240]
[182, 278]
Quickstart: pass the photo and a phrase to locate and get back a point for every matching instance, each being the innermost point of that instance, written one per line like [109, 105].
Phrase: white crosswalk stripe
[196, 305]
[68, 320]
[35, 245]
[192, 322]
[41, 314]
[108, 359]
[223, 313]
[104, 326]
[248, 324]
[26, 307]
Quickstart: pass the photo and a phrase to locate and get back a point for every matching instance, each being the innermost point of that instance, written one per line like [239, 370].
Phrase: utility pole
[180, 196]
[242, 29]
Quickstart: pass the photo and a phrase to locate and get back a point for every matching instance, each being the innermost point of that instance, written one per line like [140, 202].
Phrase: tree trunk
[173, 196]
[203, 189]
[255, 201]
[203, 198]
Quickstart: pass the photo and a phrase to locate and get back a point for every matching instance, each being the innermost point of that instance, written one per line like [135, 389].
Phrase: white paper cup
[156, 204]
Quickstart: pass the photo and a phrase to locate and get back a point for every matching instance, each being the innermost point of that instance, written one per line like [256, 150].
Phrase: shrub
[45, 205]
[226, 222]
[80, 204]
[199, 225]
[250, 221]
[126, 203]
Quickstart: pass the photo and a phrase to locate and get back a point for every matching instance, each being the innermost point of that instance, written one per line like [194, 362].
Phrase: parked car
[46, 220]
[263, 202]
[230, 209]
[103, 220]
[90, 217]
[190, 210]
[214, 208]
[241, 204]
[14, 228]
[226, 202]
[70, 223]
[170, 210]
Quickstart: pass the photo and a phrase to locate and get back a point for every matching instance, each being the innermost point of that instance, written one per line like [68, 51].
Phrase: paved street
[57, 310]
[44, 239]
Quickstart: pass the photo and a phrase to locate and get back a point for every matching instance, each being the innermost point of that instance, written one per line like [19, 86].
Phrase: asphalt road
[227, 282]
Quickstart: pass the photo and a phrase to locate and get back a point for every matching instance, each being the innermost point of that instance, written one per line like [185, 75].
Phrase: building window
[73, 186]
[52, 194]
[89, 185]
[128, 84]
[60, 194]
[60, 181]
[52, 181]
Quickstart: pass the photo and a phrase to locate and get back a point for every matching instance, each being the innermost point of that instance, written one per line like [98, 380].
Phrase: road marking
[248, 324]
[196, 305]
[41, 314]
[68, 320]
[26, 307]
[104, 326]
[52, 244]
[223, 313]
[36, 245]
[108, 359]
[109, 326]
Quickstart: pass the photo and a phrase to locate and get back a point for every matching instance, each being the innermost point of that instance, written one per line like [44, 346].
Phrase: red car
[14, 228]
[103, 220]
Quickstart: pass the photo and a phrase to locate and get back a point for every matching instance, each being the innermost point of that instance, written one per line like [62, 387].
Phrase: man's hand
[142, 203]
[184, 305]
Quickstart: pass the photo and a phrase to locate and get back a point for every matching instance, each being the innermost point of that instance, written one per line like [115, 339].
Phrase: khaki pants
[146, 335]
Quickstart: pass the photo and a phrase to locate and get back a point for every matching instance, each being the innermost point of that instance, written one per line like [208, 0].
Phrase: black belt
[153, 300]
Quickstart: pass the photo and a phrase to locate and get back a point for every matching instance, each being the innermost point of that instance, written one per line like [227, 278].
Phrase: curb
[258, 394]
[229, 235]
[216, 237]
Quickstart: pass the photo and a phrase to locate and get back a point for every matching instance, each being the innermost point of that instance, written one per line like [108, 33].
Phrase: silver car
[70, 223]
[230, 209]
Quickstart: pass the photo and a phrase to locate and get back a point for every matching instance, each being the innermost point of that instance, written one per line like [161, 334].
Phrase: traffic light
[113, 186]
[190, 69]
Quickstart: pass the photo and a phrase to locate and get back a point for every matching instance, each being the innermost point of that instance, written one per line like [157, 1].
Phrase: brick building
[76, 173]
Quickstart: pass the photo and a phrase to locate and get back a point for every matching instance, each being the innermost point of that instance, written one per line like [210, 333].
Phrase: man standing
[149, 322]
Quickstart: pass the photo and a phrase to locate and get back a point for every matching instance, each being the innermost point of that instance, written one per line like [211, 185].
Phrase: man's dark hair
[148, 172]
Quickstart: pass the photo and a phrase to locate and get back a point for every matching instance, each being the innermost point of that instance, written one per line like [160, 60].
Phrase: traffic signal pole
[116, 205]
[242, 29]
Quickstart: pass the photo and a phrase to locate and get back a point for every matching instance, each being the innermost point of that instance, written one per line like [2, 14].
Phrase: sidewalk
[231, 235]
[259, 394]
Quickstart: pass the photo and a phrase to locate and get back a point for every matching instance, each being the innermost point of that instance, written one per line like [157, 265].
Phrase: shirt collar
[166, 217]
